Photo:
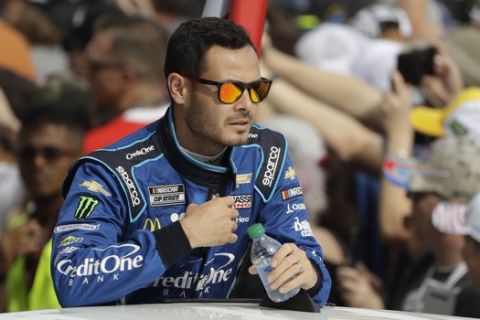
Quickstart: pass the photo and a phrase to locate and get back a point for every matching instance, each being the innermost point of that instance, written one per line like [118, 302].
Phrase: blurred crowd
[380, 101]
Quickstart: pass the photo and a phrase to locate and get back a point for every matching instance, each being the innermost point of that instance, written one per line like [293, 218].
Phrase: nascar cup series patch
[85, 207]
[166, 194]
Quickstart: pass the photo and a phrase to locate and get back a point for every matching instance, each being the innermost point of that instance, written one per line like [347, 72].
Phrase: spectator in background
[366, 47]
[464, 45]
[446, 179]
[440, 185]
[126, 57]
[50, 140]
[79, 28]
[465, 220]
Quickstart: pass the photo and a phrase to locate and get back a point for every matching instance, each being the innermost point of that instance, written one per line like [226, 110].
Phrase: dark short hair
[138, 43]
[54, 113]
[189, 43]
[18, 90]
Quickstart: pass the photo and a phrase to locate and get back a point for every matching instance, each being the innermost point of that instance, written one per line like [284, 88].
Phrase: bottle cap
[256, 230]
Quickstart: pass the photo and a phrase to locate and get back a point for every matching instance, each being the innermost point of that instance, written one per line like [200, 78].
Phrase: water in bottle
[263, 249]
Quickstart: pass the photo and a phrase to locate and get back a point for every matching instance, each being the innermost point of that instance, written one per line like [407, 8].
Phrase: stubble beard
[206, 132]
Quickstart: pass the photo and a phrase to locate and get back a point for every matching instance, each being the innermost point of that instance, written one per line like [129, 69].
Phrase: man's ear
[177, 86]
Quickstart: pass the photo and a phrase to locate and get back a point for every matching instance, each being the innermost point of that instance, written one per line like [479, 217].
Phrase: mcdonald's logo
[152, 224]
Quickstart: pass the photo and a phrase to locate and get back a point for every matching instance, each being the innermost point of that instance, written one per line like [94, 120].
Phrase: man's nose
[244, 103]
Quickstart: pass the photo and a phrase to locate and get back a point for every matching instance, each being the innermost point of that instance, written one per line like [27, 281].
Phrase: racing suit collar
[201, 173]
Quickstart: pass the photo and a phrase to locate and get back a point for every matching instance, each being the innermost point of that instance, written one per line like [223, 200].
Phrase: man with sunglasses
[169, 212]
[50, 140]
[126, 79]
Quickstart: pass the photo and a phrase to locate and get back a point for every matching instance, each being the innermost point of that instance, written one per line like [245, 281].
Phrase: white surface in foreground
[208, 311]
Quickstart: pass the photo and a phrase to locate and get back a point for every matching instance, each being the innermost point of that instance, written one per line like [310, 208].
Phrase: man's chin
[238, 140]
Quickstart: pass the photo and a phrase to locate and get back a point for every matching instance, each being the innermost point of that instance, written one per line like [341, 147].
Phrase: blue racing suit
[118, 237]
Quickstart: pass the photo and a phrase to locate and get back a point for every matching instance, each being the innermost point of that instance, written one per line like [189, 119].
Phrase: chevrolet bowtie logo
[95, 187]
[290, 174]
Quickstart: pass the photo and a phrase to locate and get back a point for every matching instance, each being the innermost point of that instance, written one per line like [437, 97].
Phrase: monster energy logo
[85, 207]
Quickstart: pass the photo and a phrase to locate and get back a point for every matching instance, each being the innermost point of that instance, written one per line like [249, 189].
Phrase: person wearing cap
[447, 178]
[465, 220]
[459, 118]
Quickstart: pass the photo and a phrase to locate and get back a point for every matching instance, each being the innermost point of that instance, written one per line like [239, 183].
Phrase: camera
[416, 63]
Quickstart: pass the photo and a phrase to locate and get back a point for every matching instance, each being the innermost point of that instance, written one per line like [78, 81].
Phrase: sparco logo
[271, 166]
[140, 152]
[131, 187]
[107, 265]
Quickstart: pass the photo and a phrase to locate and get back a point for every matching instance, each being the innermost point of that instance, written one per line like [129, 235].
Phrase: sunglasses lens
[254, 96]
[52, 154]
[27, 153]
[260, 90]
[49, 153]
[229, 92]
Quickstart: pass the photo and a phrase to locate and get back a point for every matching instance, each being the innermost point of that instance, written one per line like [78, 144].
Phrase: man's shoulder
[133, 137]
[121, 157]
[134, 148]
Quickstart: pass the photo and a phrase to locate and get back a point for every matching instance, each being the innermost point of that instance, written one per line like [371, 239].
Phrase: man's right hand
[211, 223]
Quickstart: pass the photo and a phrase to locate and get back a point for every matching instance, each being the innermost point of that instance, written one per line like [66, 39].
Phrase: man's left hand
[291, 269]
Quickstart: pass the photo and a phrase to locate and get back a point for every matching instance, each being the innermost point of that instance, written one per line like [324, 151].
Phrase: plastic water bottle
[263, 249]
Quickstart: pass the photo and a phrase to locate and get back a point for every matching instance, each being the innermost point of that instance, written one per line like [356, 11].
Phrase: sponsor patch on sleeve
[85, 207]
[294, 207]
[292, 192]
[94, 186]
[65, 241]
[290, 174]
[166, 195]
[79, 226]
[302, 227]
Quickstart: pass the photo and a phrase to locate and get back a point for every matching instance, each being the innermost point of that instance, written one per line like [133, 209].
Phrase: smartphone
[414, 64]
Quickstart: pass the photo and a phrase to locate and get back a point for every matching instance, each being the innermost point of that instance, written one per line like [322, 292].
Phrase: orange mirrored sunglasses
[230, 91]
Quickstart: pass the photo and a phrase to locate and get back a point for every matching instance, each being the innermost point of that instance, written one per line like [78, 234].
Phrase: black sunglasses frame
[240, 85]
[49, 153]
